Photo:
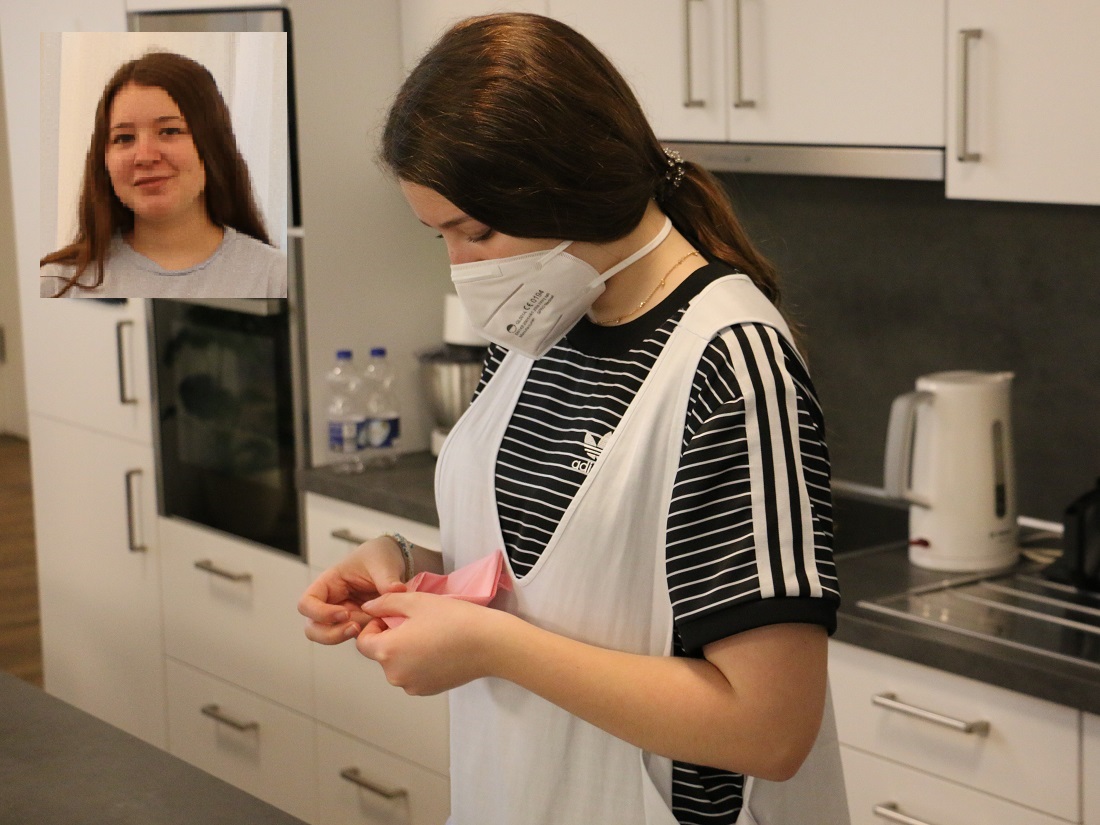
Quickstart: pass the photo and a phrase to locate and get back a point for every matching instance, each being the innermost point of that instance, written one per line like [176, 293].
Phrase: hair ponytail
[700, 210]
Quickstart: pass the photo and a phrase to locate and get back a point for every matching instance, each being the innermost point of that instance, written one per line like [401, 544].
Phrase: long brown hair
[524, 125]
[228, 197]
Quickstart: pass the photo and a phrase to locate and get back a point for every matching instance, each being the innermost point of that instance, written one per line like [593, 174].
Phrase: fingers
[332, 634]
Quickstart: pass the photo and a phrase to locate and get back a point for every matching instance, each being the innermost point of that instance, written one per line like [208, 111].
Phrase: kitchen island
[872, 563]
[61, 766]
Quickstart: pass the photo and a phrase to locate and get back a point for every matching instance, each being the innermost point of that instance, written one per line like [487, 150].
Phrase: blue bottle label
[381, 433]
[347, 436]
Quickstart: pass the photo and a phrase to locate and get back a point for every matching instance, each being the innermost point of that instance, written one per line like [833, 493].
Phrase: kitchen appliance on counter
[450, 373]
[1079, 564]
[949, 454]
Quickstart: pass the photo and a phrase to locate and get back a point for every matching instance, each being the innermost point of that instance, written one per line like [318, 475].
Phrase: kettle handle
[898, 462]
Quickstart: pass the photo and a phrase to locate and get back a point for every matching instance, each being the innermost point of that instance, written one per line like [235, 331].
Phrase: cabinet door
[230, 609]
[243, 739]
[1090, 769]
[423, 21]
[847, 72]
[851, 72]
[1023, 86]
[672, 53]
[98, 575]
[87, 362]
[362, 785]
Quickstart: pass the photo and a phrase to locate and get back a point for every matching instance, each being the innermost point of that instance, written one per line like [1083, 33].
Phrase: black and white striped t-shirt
[751, 391]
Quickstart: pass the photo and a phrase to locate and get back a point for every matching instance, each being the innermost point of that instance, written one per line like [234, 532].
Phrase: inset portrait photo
[172, 174]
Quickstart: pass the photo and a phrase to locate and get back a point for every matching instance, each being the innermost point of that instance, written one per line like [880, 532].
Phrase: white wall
[374, 275]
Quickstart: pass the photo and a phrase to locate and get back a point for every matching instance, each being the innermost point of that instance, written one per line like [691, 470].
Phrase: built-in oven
[230, 416]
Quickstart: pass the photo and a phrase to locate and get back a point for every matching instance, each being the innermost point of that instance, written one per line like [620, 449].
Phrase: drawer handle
[348, 536]
[208, 566]
[890, 702]
[354, 776]
[215, 713]
[889, 811]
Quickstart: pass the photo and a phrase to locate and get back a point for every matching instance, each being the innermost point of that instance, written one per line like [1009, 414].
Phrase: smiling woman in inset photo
[166, 207]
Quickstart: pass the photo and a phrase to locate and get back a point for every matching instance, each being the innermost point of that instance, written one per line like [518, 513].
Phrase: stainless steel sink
[1019, 609]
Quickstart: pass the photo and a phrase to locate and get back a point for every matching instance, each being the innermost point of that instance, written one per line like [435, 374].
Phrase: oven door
[225, 414]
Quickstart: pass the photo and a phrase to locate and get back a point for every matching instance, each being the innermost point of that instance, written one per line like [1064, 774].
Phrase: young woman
[646, 447]
[166, 208]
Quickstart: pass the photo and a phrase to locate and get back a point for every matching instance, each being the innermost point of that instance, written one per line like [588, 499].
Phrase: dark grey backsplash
[890, 280]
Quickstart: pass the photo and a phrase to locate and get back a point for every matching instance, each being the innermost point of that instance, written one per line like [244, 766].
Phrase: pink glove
[477, 582]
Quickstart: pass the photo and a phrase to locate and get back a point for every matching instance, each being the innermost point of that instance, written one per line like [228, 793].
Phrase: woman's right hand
[333, 603]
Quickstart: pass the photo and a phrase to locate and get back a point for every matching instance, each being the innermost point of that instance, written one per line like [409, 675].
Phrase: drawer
[240, 737]
[230, 608]
[361, 785]
[1030, 753]
[927, 800]
[354, 696]
[325, 516]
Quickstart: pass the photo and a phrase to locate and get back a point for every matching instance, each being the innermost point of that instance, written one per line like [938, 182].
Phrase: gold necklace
[613, 321]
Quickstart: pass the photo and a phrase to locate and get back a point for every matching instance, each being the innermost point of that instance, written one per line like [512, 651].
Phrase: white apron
[516, 758]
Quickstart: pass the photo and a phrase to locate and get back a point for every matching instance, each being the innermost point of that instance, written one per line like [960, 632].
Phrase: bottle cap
[343, 354]
[378, 352]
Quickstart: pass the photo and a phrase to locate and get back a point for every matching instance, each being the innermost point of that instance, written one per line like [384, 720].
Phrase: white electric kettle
[949, 454]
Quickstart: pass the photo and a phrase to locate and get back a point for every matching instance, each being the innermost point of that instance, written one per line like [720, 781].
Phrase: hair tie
[673, 175]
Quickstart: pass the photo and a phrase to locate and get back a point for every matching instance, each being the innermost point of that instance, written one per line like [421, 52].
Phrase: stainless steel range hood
[899, 163]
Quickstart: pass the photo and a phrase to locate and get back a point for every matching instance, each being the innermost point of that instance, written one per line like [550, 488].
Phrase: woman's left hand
[443, 643]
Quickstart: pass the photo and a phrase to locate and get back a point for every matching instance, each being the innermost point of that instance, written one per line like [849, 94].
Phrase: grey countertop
[872, 562]
[60, 766]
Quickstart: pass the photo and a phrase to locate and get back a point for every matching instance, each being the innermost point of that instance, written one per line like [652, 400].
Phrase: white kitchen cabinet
[1018, 748]
[99, 574]
[1022, 92]
[257, 745]
[1090, 768]
[352, 693]
[841, 72]
[362, 785]
[229, 609]
[879, 788]
[423, 21]
[87, 362]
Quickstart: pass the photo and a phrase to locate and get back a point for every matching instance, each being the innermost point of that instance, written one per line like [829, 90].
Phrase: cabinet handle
[963, 108]
[690, 101]
[889, 811]
[215, 713]
[354, 776]
[208, 566]
[348, 536]
[739, 101]
[890, 702]
[120, 347]
[130, 541]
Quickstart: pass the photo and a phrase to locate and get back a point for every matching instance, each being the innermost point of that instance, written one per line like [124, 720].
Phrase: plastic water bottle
[383, 421]
[347, 422]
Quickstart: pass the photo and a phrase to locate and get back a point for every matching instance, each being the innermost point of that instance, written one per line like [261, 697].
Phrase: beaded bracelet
[406, 547]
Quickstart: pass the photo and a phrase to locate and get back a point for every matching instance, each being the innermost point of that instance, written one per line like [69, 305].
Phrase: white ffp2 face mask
[528, 302]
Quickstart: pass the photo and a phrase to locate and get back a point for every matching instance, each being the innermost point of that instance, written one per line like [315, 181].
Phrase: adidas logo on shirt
[594, 448]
